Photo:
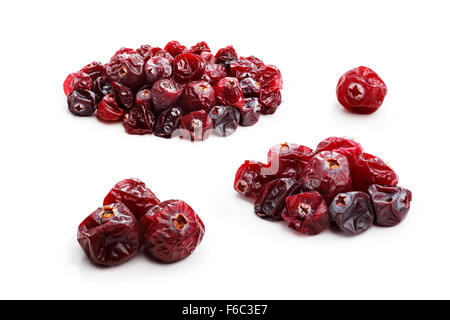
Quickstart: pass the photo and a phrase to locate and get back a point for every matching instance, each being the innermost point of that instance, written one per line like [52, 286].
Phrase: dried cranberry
[134, 194]
[163, 54]
[226, 120]
[123, 50]
[165, 93]
[76, 81]
[188, 67]
[145, 51]
[66, 85]
[109, 110]
[391, 204]
[124, 95]
[270, 100]
[306, 213]
[208, 57]
[139, 120]
[225, 55]
[110, 235]
[144, 98]
[328, 173]
[167, 122]
[127, 69]
[197, 95]
[214, 73]
[270, 78]
[348, 147]
[251, 177]
[361, 90]
[352, 212]
[102, 86]
[250, 112]
[289, 159]
[271, 201]
[94, 70]
[250, 87]
[229, 92]
[199, 48]
[171, 231]
[256, 61]
[242, 69]
[157, 68]
[196, 126]
[372, 170]
[175, 48]
[82, 102]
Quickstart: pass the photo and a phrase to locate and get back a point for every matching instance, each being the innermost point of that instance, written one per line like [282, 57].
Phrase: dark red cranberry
[208, 57]
[144, 98]
[109, 110]
[197, 95]
[289, 159]
[82, 102]
[306, 213]
[157, 68]
[372, 170]
[256, 61]
[124, 95]
[167, 122]
[188, 67]
[164, 54]
[196, 126]
[270, 100]
[134, 194]
[361, 90]
[270, 78]
[352, 212]
[124, 50]
[271, 201]
[145, 51]
[214, 73]
[94, 70]
[165, 93]
[66, 85]
[127, 69]
[199, 48]
[348, 147]
[229, 92]
[250, 112]
[391, 204]
[251, 177]
[225, 55]
[139, 120]
[328, 173]
[110, 235]
[250, 87]
[175, 48]
[171, 231]
[226, 120]
[102, 86]
[242, 69]
[76, 81]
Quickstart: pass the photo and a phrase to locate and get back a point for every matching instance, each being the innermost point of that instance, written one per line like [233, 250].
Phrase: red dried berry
[76, 81]
[361, 90]
[109, 110]
[208, 57]
[229, 92]
[289, 159]
[124, 95]
[165, 94]
[250, 112]
[167, 122]
[94, 70]
[175, 48]
[270, 77]
[251, 177]
[270, 100]
[144, 98]
[102, 86]
[226, 120]
[157, 68]
[127, 69]
[348, 147]
[250, 87]
[372, 170]
[188, 67]
[145, 51]
[242, 69]
[196, 126]
[214, 73]
[225, 56]
[82, 102]
[197, 95]
[139, 120]
[171, 231]
[199, 48]
[256, 61]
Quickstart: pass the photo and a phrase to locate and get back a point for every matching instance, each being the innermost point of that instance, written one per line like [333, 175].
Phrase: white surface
[56, 168]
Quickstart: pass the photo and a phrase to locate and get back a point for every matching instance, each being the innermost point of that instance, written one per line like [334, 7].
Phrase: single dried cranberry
[171, 231]
[144, 98]
[270, 78]
[82, 102]
[188, 67]
[229, 92]
[196, 126]
[197, 95]
[352, 212]
[164, 54]
[256, 61]
[250, 87]
[175, 48]
[289, 159]
[242, 69]
[271, 201]
[167, 122]
[76, 81]
[251, 177]
[208, 57]
[225, 55]
[306, 213]
[124, 95]
[94, 70]
[391, 204]
[372, 170]
[134, 194]
[109, 110]
[157, 68]
[139, 120]
[214, 73]
[110, 235]
[102, 86]
[165, 93]
[250, 112]
[328, 173]
[226, 120]
[270, 100]
[127, 69]
[361, 90]
[123, 50]
[145, 51]
[66, 85]
[348, 147]
[199, 48]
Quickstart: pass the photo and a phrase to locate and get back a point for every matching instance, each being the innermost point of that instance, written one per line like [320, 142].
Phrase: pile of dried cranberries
[132, 217]
[176, 91]
[335, 184]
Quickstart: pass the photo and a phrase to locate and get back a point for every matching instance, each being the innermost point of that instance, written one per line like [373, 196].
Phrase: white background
[56, 168]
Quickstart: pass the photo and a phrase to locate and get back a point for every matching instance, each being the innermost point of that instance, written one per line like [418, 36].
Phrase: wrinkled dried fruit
[157, 68]
[289, 159]
[188, 67]
[226, 120]
[372, 170]
[175, 48]
[124, 95]
[250, 112]
[127, 69]
[82, 102]
[270, 100]
[214, 72]
[167, 122]
[165, 94]
[199, 48]
[109, 110]
[229, 92]
[76, 81]
[94, 70]
[250, 87]
[348, 147]
[197, 95]
[139, 120]
[144, 98]
[225, 56]
[251, 177]
[196, 126]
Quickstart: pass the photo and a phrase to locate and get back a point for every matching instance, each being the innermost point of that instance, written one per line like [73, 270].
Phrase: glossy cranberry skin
[165, 94]
[171, 231]
[250, 87]
[127, 69]
[110, 235]
[139, 120]
[167, 122]
[144, 98]
[306, 213]
[361, 90]
[256, 61]
[134, 194]
[372, 170]
[352, 212]
[109, 110]
[226, 120]
[391, 204]
[199, 48]
[270, 100]
[229, 92]
[102, 86]
[175, 48]
[76, 81]
[157, 68]
[82, 102]
[214, 73]
[188, 67]
[197, 95]
[250, 112]
[271, 201]
[251, 177]
[270, 78]
[196, 126]
[124, 95]
[242, 69]
[94, 70]
[225, 56]
[328, 173]
[208, 57]
[289, 159]
[348, 147]
[145, 51]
